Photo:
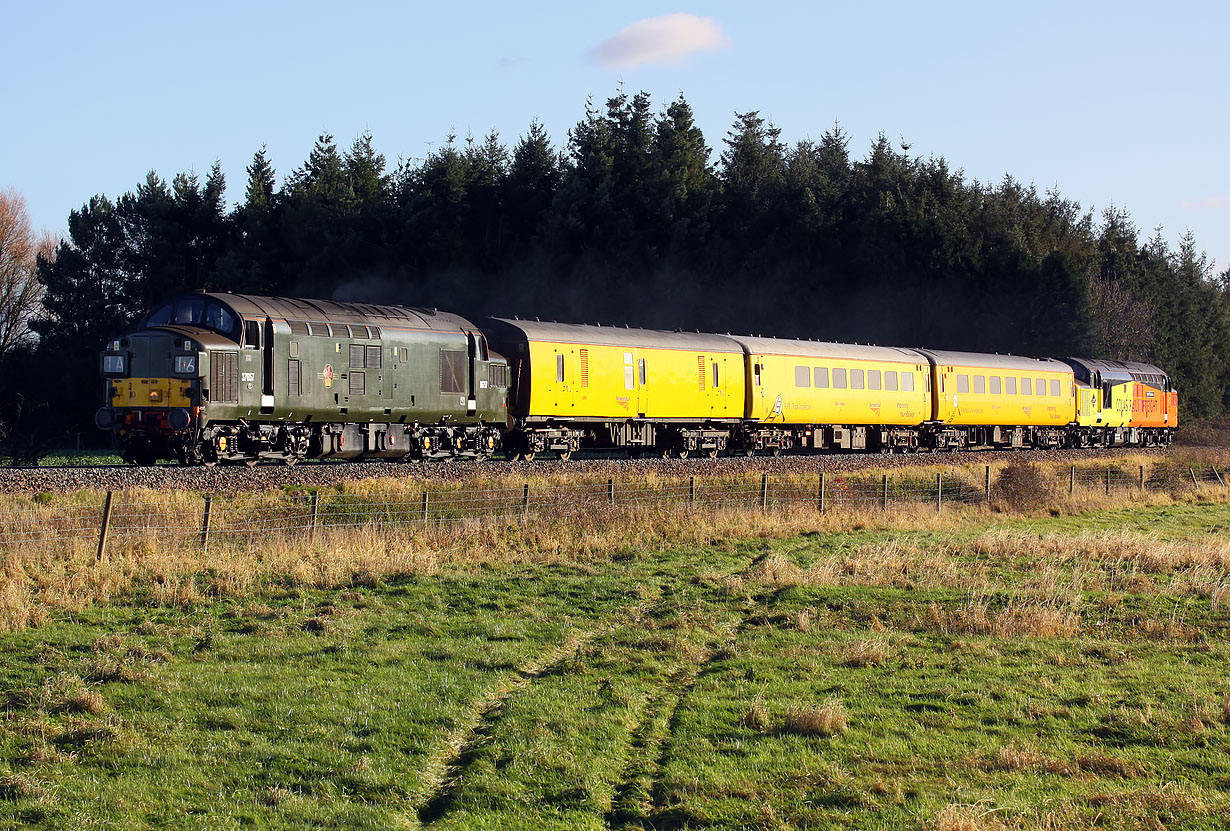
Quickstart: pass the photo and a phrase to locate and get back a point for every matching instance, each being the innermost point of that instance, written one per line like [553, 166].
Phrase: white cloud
[668, 39]
[1214, 202]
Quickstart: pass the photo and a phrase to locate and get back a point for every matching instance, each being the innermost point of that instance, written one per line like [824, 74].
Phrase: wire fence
[183, 517]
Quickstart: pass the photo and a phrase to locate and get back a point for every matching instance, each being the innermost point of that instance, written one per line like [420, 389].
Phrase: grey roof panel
[580, 333]
[984, 360]
[827, 350]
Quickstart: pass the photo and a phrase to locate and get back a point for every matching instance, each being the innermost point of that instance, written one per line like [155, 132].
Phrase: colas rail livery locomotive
[231, 378]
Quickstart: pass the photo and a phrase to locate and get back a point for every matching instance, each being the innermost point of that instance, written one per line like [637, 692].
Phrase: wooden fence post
[1220, 481]
[209, 503]
[821, 495]
[1072, 481]
[1142, 478]
[105, 529]
[692, 491]
[315, 515]
[425, 498]
[939, 493]
[884, 493]
[610, 491]
[1192, 470]
[1108, 481]
[764, 491]
[525, 501]
[986, 491]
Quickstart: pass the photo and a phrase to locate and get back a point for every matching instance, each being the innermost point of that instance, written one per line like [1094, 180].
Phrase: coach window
[980, 384]
[962, 383]
[559, 368]
[839, 379]
[1055, 387]
[756, 373]
[802, 376]
[1026, 387]
[822, 377]
[641, 365]
[1040, 386]
[715, 375]
[996, 385]
[873, 379]
[856, 379]
[890, 380]
[907, 382]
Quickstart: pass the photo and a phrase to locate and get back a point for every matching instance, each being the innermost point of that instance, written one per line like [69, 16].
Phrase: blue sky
[1119, 103]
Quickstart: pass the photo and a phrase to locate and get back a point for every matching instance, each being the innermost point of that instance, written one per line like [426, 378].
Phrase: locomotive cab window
[802, 376]
[251, 334]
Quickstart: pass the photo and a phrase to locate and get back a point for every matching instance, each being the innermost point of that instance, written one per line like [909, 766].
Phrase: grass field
[986, 671]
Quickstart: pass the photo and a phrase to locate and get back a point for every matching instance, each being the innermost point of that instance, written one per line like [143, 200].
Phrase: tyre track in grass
[444, 773]
[635, 804]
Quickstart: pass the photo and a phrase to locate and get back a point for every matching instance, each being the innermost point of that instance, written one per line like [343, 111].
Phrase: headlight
[113, 364]
[185, 365]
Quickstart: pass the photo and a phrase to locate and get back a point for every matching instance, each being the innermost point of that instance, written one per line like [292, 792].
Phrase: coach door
[565, 380]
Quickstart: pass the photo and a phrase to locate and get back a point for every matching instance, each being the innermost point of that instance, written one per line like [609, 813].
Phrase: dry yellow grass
[258, 541]
[829, 719]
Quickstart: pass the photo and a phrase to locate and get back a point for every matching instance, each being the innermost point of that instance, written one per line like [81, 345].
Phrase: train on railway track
[212, 377]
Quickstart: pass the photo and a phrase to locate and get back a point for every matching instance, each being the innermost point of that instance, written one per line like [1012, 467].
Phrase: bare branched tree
[1126, 329]
[20, 290]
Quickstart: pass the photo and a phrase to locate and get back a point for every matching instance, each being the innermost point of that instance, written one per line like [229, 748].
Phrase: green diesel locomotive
[210, 378]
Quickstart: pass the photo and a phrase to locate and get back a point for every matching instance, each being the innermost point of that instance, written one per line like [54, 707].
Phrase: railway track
[326, 474]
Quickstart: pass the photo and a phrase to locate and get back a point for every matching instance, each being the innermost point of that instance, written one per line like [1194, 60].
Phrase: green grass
[797, 683]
